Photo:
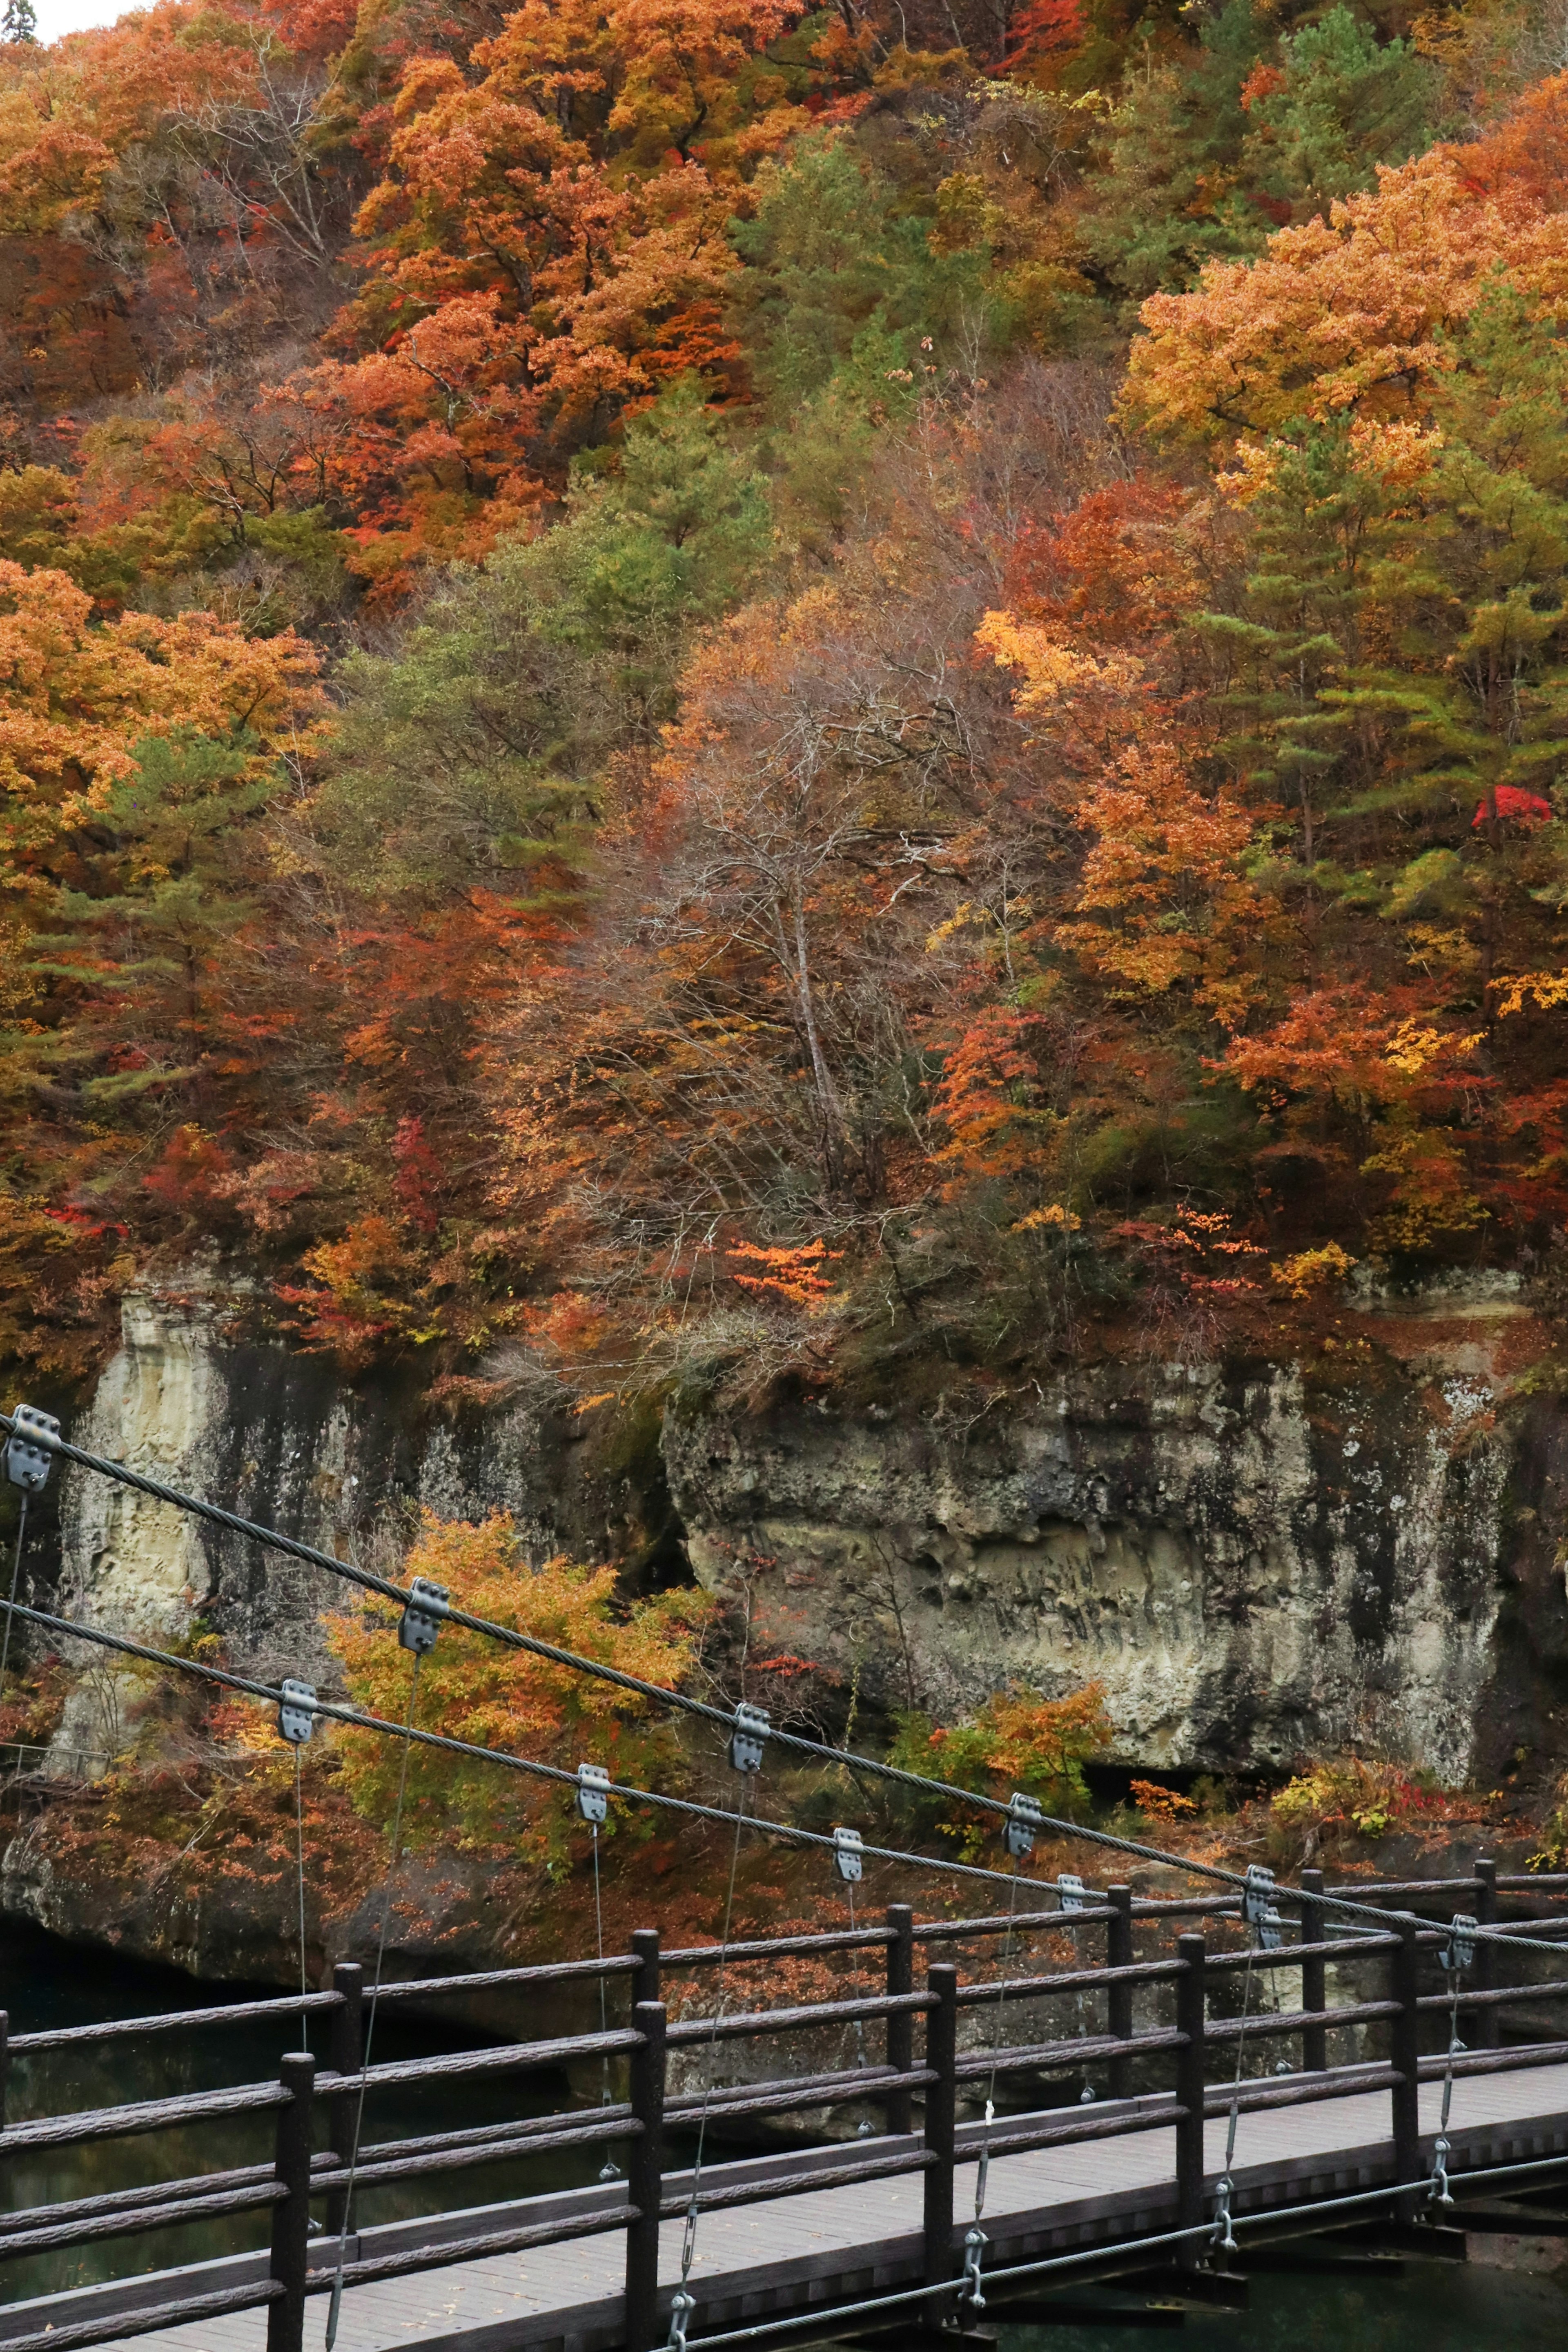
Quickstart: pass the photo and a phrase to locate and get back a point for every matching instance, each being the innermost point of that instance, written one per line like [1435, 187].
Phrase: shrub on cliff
[1017, 1740]
[473, 1689]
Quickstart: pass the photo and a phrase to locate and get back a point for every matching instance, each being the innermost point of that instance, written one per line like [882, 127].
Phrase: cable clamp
[1257, 1901]
[1223, 2237]
[747, 1739]
[295, 1711]
[1270, 1930]
[592, 1793]
[1460, 1948]
[1071, 1891]
[34, 1437]
[1025, 1820]
[681, 2309]
[973, 2293]
[420, 1623]
[1437, 2190]
[849, 1859]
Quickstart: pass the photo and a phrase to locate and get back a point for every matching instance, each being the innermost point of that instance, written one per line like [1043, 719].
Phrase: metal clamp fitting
[975, 2245]
[421, 1620]
[1224, 2236]
[1460, 1948]
[1437, 2190]
[849, 1859]
[1070, 1892]
[295, 1711]
[592, 1793]
[1257, 1896]
[1026, 1818]
[681, 2309]
[747, 1739]
[29, 1455]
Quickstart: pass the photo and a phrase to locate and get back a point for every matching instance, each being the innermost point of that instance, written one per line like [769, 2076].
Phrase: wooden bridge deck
[832, 2245]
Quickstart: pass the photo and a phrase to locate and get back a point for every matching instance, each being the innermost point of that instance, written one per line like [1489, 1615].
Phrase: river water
[46, 1984]
[1434, 2307]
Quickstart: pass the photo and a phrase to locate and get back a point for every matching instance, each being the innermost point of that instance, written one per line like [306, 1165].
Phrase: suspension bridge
[1256, 2077]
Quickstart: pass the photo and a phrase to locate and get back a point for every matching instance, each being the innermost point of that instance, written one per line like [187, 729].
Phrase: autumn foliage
[475, 1689]
[690, 692]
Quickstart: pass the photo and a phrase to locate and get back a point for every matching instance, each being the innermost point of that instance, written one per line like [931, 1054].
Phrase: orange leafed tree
[479, 1691]
[1350, 311]
[547, 244]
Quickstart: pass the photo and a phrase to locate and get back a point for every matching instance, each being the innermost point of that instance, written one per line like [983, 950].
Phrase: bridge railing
[1179, 2045]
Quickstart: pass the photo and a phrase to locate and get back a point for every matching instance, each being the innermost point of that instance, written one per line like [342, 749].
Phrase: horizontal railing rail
[1154, 2013]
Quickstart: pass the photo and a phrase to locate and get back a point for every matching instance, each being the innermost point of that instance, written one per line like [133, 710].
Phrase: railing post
[1314, 1977]
[1485, 2025]
[4, 2063]
[291, 2215]
[645, 1982]
[1405, 2051]
[1119, 1998]
[941, 2121]
[645, 2178]
[346, 2056]
[899, 2110]
[1191, 2003]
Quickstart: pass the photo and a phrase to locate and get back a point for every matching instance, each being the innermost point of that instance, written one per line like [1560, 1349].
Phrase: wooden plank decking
[829, 2246]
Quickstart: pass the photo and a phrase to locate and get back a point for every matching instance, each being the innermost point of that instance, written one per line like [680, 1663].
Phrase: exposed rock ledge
[1257, 1564]
[1256, 1567]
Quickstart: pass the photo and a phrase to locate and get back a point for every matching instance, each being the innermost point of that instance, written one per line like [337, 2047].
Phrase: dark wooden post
[645, 1982]
[346, 2056]
[4, 2063]
[899, 2110]
[1405, 2051]
[1191, 2001]
[941, 2120]
[645, 2179]
[1119, 1998]
[1485, 2025]
[291, 2214]
[1314, 1975]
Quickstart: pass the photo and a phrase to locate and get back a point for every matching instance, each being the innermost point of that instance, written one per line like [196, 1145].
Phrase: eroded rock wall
[1259, 1565]
[279, 1438]
[1259, 1562]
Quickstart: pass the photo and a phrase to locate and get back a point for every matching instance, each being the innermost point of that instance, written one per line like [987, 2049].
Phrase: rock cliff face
[277, 1437]
[1259, 1562]
[1249, 1577]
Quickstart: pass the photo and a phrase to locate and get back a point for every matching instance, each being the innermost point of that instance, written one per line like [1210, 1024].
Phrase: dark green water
[1435, 2307]
[46, 1984]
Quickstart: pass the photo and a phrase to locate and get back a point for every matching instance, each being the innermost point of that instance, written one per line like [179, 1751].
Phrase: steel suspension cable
[16, 1579]
[300, 1855]
[271, 1539]
[1455, 1956]
[358, 1720]
[609, 2170]
[1223, 2229]
[684, 2302]
[1378, 1915]
[974, 2239]
[334, 2309]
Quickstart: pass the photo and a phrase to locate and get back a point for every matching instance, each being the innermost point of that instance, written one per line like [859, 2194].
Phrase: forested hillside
[683, 686]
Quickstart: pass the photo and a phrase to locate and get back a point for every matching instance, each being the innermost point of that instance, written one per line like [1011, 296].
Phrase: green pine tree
[464, 757]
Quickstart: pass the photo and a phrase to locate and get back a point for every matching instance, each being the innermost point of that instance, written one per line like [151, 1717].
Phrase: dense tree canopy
[693, 690]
